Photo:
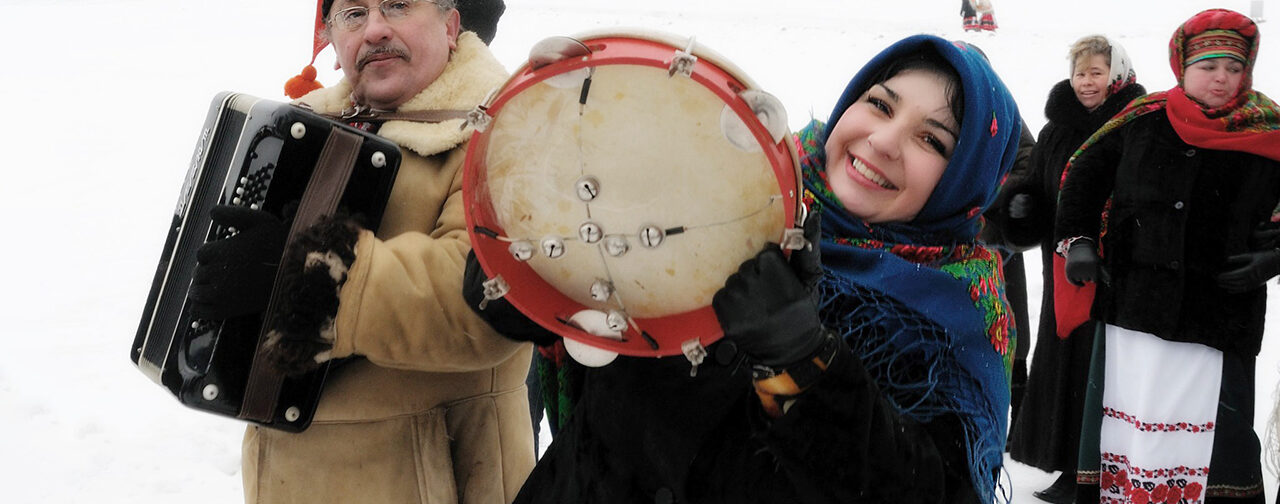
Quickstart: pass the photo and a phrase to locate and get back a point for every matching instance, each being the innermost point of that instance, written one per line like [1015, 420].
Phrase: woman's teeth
[870, 174]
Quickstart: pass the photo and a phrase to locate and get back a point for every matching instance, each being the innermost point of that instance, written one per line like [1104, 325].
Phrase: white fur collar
[472, 72]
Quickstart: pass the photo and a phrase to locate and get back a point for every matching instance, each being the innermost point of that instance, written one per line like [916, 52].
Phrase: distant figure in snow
[985, 13]
[969, 15]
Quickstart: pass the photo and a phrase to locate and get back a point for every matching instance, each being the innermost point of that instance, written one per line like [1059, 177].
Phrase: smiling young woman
[888, 150]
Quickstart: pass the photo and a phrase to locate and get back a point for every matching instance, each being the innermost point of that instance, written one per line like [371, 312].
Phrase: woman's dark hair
[927, 60]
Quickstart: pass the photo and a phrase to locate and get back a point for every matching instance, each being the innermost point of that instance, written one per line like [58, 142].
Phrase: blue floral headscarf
[920, 302]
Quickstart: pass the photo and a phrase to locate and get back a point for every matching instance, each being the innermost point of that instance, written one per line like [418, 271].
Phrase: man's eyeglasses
[354, 18]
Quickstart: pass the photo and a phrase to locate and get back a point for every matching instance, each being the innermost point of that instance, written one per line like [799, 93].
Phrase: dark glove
[807, 262]
[313, 269]
[499, 313]
[1083, 264]
[766, 312]
[1249, 270]
[1266, 236]
[1020, 206]
[233, 276]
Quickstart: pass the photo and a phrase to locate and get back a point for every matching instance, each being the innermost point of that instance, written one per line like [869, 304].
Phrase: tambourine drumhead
[605, 184]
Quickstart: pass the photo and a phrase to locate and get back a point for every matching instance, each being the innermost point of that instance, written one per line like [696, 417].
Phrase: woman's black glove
[313, 270]
[1266, 236]
[1249, 270]
[807, 261]
[499, 313]
[766, 311]
[1083, 264]
[233, 276]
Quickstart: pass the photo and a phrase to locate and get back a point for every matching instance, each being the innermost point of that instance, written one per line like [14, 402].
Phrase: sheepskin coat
[433, 409]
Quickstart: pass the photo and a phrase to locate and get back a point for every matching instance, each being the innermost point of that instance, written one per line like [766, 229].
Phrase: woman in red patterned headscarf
[1182, 180]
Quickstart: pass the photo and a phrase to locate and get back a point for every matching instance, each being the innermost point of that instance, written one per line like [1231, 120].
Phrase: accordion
[281, 159]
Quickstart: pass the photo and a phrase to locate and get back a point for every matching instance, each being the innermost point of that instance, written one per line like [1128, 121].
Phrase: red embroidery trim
[1121, 483]
[1157, 426]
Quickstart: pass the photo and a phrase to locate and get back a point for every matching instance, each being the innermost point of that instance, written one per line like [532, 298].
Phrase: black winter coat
[1045, 433]
[645, 431]
[1177, 213]
[1070, 124]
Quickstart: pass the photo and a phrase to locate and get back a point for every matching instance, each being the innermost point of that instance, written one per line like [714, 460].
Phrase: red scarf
[1253, 126]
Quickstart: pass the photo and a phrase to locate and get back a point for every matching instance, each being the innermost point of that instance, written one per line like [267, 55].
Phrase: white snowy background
[104, 100]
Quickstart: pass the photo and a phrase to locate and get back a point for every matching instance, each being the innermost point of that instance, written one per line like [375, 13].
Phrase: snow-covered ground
[106, 98]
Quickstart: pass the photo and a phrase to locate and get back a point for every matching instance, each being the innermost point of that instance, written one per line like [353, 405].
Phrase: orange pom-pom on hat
[305, 81]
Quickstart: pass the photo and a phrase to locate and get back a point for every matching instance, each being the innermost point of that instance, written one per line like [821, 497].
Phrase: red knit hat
[305, 82]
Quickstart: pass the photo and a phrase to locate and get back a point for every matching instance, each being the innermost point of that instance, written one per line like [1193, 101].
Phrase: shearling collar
[1064, 108]
[472, 72]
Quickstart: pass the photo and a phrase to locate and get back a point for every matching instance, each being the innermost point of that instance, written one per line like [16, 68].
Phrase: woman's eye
[936, 144]
[879, 104]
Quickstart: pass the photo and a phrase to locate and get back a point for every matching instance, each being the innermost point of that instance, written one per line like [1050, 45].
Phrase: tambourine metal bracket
[683, 61]
[602, 290]
[494, 288]
[695, 352]
[793, 239]
[479, 118]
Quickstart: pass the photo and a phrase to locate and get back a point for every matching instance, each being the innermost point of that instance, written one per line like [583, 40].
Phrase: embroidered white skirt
[1159, 406]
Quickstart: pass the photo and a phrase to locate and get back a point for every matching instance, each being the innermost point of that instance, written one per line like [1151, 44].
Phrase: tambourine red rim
[537, 299]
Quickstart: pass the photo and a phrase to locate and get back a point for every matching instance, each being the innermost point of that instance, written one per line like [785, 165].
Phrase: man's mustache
[378, 52]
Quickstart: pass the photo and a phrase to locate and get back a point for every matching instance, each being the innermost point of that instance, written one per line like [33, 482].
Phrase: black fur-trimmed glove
[499, 313]
[314, 268]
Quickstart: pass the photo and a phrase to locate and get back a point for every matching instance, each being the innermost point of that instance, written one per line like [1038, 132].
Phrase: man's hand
[314, 268]
[233, 276]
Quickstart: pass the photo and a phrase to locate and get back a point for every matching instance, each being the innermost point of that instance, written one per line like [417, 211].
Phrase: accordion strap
[321, 196]
[423, 116]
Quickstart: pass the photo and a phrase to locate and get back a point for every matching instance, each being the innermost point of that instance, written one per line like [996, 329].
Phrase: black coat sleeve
[1030, 231]
[999, 224]
[1087, 186]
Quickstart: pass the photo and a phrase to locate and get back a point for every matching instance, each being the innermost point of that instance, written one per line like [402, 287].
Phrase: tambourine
[614, 183]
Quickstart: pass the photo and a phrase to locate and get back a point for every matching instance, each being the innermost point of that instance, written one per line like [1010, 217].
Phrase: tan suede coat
[435, 411]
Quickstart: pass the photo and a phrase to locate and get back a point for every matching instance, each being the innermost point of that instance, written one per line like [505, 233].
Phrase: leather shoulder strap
[423, 116]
